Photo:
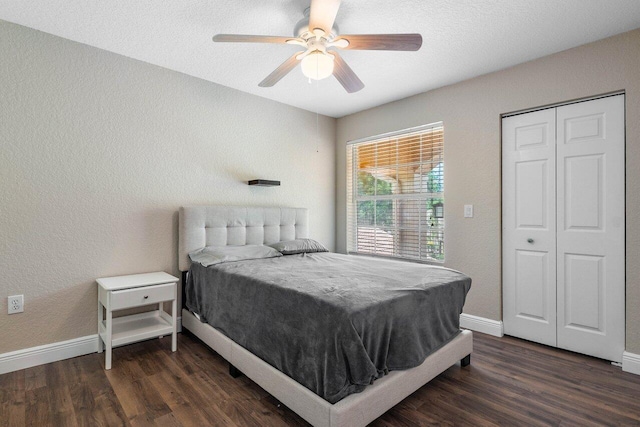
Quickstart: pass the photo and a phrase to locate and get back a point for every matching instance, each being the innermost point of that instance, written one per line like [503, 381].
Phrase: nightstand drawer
[142, 296]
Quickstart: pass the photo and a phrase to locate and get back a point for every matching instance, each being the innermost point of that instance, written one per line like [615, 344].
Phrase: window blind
[395, 192]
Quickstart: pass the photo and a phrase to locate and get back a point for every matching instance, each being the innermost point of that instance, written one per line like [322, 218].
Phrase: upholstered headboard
[201, 226]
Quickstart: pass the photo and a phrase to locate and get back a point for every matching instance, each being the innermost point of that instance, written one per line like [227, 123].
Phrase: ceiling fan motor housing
[302, 28]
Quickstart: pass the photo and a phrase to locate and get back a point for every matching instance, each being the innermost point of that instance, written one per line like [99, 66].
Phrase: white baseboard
[34, 356]
[48, 353]
[482, 324]
[631, 362]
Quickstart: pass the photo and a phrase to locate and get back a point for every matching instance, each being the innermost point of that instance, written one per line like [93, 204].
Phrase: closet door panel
[584, 291]
[532, 286]
[590, 221]
[528, 221]
[584, 193]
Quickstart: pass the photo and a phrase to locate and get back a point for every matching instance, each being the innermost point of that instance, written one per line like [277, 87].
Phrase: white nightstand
[118, 293]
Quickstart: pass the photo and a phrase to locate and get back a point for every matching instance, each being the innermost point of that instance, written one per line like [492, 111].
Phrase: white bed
[201, 226]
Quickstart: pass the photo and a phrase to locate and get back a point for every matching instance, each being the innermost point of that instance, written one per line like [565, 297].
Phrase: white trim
[34, 356]
[482, 324]
[631, 362]
[560, 104]
[415, 129]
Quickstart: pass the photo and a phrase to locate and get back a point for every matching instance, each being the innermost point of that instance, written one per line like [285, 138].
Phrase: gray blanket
[334, 323]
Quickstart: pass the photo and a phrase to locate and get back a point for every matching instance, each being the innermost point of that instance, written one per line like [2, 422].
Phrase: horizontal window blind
[395, 192]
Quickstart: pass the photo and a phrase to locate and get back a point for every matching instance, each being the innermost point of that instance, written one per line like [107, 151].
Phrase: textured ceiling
[462, 39]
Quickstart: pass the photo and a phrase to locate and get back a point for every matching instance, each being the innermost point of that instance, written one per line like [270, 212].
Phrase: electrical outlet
[16, 304]
[468, 211]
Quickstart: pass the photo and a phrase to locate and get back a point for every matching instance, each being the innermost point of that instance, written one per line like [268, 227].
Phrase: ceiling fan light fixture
[317, 65]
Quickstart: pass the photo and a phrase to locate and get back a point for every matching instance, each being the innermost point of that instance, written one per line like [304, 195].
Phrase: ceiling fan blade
[345, 75]
[281, 71]
[383, 41]
[244, 38]
[323, 14]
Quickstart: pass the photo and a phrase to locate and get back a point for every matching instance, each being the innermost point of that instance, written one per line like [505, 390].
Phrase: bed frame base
[357, 409]
[466, 361]
[234, 372]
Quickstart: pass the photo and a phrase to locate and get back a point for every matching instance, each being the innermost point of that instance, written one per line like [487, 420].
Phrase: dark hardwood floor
[510, 382]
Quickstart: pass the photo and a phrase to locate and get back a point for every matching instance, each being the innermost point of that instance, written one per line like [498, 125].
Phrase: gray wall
[97, 154]
[471, 114]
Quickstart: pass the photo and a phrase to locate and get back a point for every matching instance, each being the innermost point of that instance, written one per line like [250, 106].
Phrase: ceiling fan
[317, 33]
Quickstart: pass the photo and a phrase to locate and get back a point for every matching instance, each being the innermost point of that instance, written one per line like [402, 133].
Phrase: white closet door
[591, 227]
[529, 226]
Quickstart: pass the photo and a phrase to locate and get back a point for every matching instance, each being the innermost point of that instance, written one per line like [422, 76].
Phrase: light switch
[468, 211]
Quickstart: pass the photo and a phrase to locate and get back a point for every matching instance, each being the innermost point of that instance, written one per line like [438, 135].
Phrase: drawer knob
[146, 296]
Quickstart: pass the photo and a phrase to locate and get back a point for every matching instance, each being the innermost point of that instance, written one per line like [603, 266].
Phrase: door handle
[529, 240]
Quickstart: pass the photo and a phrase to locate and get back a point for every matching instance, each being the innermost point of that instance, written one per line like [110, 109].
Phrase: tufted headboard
[201, 226]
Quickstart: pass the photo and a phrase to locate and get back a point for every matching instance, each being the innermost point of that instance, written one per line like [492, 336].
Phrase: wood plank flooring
[510, 382]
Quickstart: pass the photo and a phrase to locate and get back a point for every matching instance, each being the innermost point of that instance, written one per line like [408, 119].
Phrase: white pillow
[212, 255]
[299, 246]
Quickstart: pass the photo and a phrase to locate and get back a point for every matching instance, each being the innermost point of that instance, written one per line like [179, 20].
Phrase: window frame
[353, 198]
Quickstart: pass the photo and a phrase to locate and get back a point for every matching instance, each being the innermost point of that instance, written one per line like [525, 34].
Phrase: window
[395, 194]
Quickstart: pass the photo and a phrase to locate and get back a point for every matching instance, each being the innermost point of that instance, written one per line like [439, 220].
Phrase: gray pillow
[212, 255]
[299, 246]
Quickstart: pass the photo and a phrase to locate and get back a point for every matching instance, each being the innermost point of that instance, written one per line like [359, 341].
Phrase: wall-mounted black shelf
[264, 183]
